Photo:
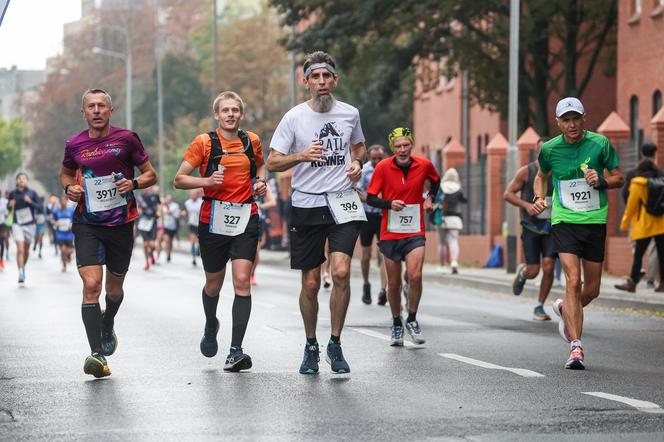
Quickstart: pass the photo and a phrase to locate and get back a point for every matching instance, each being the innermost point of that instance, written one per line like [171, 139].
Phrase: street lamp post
[160, 99]
[128, 64]
[513, 106]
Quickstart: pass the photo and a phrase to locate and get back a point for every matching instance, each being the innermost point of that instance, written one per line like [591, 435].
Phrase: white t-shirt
[193, 210]
[171, 214]
[3, 211]
[338, 129]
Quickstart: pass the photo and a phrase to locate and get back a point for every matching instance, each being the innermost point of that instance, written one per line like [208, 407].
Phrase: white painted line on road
[375, 334]
[647, 407]
[520, 371]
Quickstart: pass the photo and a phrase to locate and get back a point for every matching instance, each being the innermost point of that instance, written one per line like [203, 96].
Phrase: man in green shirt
[576, 160]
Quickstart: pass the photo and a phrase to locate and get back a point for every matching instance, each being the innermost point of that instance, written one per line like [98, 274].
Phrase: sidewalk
[499, 281]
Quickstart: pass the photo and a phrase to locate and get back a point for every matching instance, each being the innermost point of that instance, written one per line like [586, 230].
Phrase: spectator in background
[645, 226]
[647, 166]
[448, 201]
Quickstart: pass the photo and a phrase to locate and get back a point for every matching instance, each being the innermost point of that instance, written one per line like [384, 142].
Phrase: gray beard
[322, 103]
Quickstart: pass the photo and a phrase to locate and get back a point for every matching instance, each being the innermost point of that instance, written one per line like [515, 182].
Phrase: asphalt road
[488, 372]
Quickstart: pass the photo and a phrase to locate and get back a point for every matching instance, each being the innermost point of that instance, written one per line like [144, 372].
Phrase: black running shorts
[397, 249]
[370, 229]
[307, 242]
[104, 245]
[536, 246]
[216, 249]
[587, 241]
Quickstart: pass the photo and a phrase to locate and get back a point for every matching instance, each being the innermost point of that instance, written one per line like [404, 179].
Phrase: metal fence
[628, 153]
[473, 181]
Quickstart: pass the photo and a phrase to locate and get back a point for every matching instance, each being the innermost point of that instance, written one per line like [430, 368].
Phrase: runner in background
[265, 203]
[148, 207]
[62, 218]
[23, 201]
[192, 210]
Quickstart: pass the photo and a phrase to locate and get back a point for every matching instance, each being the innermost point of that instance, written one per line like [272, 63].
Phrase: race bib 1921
[406, 220]
[578, 196]
[345, 206]
[229, 219]
[102, 194]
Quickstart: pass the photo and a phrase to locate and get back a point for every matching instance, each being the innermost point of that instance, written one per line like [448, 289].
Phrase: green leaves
[12, 137]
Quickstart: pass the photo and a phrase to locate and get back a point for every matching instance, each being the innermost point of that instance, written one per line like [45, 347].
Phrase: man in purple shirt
[98, 173]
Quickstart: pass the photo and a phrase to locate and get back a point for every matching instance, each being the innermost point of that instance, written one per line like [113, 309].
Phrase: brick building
[626, 108]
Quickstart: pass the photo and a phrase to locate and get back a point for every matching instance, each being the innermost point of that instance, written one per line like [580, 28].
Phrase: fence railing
[473, 183]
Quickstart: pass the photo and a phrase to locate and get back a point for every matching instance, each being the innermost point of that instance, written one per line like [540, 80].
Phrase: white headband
[327, 66]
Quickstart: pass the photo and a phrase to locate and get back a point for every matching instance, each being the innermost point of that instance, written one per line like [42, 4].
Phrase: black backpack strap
[215, 154]
[248, 151]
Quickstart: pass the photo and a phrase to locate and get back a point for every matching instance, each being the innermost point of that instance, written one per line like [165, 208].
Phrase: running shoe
[193, 262]
[236, 360]
[575, 360]
[539, 314]
[382, 297]
[327, 282]
[209, 345]
[629, 286]
[366, 293]
[519, 281]
[2, 264]
[311, 358]
[152, 260]
[415, 332]
[109, 340]
[562, 328]
[21, 276]
[335, 357]
[96, 365]
[147, 266]
[455, 267]
[397, 336]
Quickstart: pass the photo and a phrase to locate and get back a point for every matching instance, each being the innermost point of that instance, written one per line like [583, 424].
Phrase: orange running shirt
[237, 186]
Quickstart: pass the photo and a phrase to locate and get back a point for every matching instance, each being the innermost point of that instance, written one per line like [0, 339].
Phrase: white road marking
[375, 334]
[647, 407]
[520, 371]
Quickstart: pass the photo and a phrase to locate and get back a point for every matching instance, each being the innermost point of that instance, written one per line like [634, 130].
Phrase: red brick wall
[640, 68]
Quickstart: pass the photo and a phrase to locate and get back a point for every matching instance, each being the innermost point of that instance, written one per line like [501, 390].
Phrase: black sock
[91, 314]
[396, 321]
[241, 312]
[111, 310]
[210, 309]
[335, 339]
[312, 341]
[411, 316]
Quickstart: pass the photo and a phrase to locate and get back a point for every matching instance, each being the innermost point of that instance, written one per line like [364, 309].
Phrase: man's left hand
[124, 186]
[354, 171]
[260, 188]
[427, 205]
[591, 177]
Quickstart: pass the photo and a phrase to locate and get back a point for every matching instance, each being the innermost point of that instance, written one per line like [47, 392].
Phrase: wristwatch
[134, 184]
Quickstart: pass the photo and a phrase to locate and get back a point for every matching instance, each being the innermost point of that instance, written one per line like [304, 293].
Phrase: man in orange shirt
[230, 162]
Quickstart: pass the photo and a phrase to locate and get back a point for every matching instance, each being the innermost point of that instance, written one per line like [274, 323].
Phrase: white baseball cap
[569, 104]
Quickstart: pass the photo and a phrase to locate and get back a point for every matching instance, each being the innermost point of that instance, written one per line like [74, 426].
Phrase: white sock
[576, 343]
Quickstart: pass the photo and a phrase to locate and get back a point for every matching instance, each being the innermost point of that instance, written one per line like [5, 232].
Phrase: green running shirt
[565, 162]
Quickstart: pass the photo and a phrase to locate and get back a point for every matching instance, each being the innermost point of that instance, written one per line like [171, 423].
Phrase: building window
[635, 12]
[634, 118]
[479, 146]
[656, 101]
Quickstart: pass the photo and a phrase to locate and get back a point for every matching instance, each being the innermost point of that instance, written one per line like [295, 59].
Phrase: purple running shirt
[118, 152]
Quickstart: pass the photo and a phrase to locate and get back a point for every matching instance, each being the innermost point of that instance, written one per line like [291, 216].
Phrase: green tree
[12, 137]
[574, 34]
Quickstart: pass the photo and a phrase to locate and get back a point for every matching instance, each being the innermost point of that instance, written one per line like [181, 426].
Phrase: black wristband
[134, 184]
[67, 188]
[358, 162]
[602, 184]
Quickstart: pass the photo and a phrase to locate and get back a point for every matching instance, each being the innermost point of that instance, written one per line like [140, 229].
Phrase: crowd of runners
[341, 191]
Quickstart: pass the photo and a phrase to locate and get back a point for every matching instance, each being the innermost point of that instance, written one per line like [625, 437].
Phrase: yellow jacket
[644, 225]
